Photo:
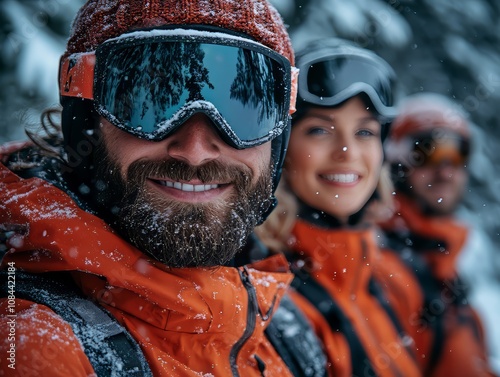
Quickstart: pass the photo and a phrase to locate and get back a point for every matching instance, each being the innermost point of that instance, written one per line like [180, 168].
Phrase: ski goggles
[148, 83]
[449, 148]
[329, 80]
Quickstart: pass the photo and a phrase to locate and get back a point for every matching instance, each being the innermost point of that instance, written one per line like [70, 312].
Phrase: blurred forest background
[445, 46]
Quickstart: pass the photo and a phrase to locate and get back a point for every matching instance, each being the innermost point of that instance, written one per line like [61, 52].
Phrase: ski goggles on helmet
[148, 83]
[448, 148]
[328, 79]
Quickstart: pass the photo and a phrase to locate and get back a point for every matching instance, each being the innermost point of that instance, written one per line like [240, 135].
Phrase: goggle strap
[294, 82]
[76, 77]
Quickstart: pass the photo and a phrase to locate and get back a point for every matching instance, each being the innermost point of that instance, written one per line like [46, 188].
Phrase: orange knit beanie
[99, 20]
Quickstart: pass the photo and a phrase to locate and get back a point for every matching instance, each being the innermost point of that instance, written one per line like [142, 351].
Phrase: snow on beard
[182, 234]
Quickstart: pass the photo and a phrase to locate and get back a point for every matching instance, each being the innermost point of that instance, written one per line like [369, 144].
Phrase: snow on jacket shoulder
[37, 342]
[188, 321]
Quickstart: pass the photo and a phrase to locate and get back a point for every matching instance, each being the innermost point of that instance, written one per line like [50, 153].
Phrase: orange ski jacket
[418, 269]
[359, 333]
[188, 321]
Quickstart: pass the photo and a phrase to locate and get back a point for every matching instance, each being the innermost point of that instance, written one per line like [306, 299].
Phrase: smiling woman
[332, 171]
[335, 157]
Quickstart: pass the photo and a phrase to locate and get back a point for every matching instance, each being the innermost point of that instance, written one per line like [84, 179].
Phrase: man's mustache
[176, 170]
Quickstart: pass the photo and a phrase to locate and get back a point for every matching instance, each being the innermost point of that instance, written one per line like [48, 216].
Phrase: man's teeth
[343, 178]
[188, 187]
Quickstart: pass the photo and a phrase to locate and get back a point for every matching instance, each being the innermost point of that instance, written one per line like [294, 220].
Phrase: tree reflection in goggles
[150, 86]
[450, 149]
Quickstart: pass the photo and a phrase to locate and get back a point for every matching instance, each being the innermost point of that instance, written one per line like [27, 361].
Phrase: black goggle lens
[332, 80]
[331, 77]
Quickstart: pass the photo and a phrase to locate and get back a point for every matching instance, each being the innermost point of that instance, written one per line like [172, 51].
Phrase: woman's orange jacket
[422, 283]
[342, 262]
[188, 321]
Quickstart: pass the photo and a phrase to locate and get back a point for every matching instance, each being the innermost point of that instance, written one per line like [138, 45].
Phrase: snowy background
[444, 46]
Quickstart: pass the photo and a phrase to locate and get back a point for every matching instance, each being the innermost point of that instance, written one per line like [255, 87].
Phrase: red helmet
[423, 112]
[428, 115]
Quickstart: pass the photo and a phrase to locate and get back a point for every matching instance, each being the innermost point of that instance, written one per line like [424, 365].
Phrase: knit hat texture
[99, 20]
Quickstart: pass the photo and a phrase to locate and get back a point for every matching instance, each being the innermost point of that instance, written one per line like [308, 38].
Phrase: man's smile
[192, 191]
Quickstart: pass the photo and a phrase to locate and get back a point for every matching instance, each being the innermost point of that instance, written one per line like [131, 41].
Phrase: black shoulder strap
[110, 348]
[293, 337]
[338, 321]
[431, 289]
[432, 317]
[378, 292]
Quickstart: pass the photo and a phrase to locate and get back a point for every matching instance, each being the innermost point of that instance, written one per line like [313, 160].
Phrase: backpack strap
[295, 341]
[111, 350]
[431, 289]
[378, 292]
[433, 318]
[338, 321]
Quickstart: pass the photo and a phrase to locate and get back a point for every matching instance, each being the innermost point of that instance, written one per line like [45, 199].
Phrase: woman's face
[334, 158]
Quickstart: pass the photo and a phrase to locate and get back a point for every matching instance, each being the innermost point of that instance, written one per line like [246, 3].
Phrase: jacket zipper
[251, 320]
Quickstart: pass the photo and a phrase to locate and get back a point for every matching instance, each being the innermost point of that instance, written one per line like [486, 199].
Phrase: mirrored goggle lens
[451, 150]
[330, 82]
[149, 89]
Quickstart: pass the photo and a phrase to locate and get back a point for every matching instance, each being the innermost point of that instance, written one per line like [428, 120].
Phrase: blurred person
[428, 151]
[122, 237]
[332, 172]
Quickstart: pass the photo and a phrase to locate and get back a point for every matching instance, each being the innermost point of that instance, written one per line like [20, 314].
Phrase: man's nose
[447, 168]
[195, 142]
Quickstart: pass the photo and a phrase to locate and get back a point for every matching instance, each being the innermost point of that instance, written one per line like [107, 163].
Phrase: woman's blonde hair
[382, 208]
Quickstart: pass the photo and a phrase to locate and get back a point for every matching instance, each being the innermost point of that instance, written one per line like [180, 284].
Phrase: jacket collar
[323, 219]
[343, 255]
[438, 239]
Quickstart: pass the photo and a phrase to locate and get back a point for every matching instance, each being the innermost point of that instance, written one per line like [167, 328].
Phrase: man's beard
[181, 234]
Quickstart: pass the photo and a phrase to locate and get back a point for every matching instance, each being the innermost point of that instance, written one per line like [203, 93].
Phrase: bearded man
[175, 119]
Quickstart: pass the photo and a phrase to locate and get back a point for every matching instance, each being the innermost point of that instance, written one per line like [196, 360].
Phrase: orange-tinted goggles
[450, 149]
